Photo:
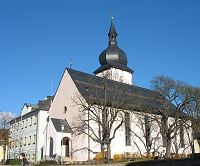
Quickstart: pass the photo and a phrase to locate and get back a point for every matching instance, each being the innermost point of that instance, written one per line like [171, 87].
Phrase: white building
[52, 137]
[27, 131]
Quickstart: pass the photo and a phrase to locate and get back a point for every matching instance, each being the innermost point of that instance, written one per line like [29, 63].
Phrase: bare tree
[101, 112]
[4, 140]
[147, 134]
[172, 116]
[193, 111]
[5, 117]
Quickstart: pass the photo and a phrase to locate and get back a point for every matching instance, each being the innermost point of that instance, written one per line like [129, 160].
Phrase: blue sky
[38, 38]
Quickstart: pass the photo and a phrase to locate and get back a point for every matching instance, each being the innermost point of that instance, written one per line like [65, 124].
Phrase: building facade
[27, 131]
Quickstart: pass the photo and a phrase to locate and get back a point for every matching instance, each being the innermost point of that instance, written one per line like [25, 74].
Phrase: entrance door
[66, 146]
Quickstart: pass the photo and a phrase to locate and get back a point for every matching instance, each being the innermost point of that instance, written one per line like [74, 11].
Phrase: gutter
[36, 138]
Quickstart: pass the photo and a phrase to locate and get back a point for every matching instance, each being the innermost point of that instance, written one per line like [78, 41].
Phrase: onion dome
[113, 56]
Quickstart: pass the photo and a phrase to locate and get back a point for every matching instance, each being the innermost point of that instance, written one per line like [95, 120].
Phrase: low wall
[185, 162]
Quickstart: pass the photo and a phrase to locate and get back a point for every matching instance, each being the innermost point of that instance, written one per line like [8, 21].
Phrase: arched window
[51, 147]
[127, 129]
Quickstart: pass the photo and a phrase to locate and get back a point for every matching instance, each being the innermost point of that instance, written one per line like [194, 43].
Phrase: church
[100, 112]
[81, 113]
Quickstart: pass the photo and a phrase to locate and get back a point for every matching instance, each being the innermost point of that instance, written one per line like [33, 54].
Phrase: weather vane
[111, 16]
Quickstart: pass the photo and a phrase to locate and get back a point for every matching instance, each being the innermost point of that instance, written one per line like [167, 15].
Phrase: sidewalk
[113, 164]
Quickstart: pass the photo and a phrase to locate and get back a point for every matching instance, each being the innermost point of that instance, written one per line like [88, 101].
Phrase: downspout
[46, 141]
[20, 138]
[36, 136]
[71, 150]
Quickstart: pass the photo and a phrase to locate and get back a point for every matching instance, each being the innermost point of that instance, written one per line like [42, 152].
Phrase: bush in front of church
[13, 162]
[118, 157]
[99, 156]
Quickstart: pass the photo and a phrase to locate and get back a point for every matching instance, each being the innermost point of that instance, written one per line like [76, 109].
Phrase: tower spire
[112, 33]
[114, 57]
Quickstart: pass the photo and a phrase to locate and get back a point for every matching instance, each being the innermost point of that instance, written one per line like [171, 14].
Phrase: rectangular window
[11, 128]
[34, 139]
[127, 129]
[14, 126]
[17, 128]
[10, 145]
[21, 142]
[24, 141]
[35, 120]
[16, 143]
[29, 140]
[26, 123]
[22, 124]
[13, 144]
[31, 121]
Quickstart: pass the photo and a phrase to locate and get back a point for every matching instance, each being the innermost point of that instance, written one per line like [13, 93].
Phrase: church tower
[113, 60]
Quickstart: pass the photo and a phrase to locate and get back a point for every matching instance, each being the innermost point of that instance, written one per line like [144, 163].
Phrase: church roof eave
[113, 65]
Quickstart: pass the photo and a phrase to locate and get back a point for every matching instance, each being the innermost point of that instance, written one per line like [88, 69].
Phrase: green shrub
[13, 162]
[48, 162]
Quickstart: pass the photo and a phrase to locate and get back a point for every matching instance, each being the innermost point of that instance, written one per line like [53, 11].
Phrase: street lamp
[62, 129]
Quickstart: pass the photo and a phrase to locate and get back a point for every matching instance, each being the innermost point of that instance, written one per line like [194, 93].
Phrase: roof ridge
[100, 78]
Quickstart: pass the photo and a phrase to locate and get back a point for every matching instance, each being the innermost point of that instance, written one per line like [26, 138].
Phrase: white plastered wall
[117, 75]
[64, 96]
